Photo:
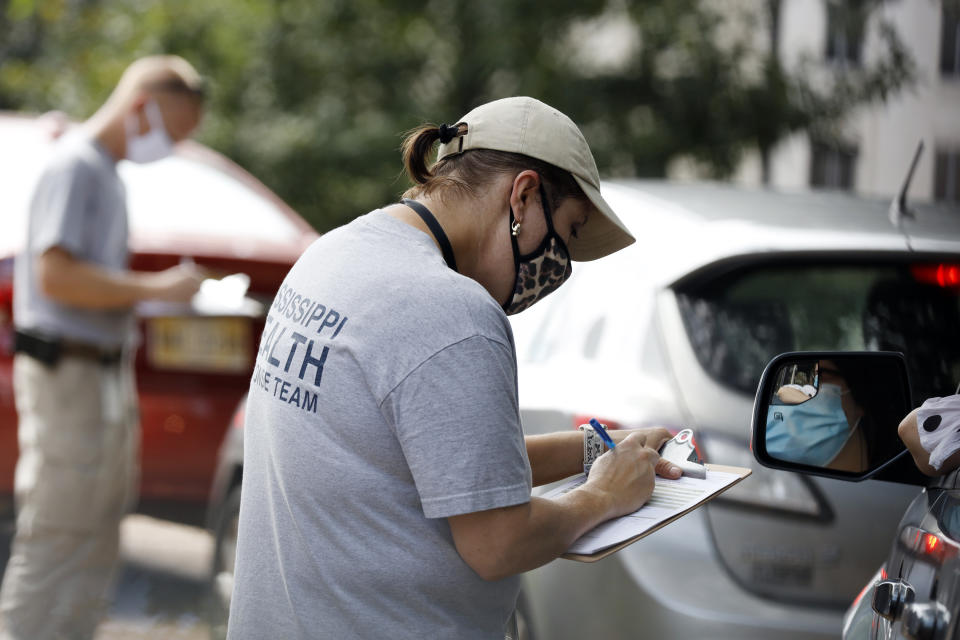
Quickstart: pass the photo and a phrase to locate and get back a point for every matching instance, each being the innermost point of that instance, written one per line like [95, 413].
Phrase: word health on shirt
[285, 349]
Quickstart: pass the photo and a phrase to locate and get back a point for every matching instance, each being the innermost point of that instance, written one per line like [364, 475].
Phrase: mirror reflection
[838, 414]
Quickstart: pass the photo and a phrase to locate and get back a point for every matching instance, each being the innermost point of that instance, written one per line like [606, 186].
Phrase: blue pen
[602, 432]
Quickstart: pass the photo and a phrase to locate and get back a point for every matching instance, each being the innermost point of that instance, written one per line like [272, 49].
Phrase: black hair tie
[448, 132]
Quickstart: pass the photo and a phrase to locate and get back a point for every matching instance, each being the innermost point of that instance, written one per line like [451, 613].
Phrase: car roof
[196, 202]
[683, 227]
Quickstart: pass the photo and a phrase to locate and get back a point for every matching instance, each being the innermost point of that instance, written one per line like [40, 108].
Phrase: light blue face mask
[812, 432]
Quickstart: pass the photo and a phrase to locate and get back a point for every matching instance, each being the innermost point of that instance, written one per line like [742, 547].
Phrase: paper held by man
[671, 499]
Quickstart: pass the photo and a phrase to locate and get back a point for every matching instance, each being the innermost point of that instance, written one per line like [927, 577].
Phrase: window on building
[950, 38]
[846, 22]
[832, 165]
[946, 175]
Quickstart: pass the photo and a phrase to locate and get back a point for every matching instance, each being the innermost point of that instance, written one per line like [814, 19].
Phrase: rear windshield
[177, 195]
[737, 324]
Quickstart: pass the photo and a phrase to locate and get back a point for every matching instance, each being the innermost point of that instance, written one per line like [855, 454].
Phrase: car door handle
[890, 597]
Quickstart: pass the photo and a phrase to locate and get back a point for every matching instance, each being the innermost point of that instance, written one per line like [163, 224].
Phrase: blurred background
[312, 97]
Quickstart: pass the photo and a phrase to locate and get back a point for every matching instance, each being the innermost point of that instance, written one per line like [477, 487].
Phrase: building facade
[877, 142]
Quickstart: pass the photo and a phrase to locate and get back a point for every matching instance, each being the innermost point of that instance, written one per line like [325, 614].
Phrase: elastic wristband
[593, 447]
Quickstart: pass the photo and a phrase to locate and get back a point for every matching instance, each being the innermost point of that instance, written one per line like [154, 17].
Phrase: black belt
[49, 350]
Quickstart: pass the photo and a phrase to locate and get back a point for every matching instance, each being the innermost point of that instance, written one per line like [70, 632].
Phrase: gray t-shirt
[79, 204]
[383, 400]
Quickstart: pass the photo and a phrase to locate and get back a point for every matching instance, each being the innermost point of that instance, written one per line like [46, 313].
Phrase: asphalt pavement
[161, 590]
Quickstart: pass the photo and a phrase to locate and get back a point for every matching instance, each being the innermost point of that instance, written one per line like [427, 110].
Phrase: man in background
[77, 473]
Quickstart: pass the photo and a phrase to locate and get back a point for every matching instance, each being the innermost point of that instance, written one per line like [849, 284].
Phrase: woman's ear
[524, 191]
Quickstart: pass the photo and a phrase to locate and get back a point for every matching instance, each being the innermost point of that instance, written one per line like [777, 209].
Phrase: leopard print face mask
[542, 271]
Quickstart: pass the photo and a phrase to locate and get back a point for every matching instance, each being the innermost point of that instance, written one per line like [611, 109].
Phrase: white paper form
[670, 498]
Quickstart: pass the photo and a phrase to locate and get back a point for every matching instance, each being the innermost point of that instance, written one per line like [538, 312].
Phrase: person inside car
[822, 428]
[387, 481]
[839, 426]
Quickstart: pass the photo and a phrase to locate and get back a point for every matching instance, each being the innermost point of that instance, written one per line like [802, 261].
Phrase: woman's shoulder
[460, 307]
[396, 276]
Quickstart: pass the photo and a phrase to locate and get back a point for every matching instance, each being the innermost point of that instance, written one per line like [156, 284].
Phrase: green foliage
[313, 97]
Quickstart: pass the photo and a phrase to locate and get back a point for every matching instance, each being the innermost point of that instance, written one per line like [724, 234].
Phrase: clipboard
[742, 472]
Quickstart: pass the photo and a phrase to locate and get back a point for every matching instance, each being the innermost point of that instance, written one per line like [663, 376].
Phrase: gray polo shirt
[79, 204]
[383, 401]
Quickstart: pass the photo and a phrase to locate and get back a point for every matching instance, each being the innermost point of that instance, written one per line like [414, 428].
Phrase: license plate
[221, 345]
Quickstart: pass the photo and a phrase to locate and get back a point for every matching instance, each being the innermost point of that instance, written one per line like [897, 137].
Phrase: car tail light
[6, 289]
[943, 275]
[6, 295]
[928, 546]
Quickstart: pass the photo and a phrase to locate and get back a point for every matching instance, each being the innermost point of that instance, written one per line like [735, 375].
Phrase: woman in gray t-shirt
[386, 488]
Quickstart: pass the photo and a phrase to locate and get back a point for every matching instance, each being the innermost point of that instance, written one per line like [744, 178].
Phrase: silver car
[675, 331]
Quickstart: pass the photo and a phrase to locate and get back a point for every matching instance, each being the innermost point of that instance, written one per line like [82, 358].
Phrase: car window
[736, 324]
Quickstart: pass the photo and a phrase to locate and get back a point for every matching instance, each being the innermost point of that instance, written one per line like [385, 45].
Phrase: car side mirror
[835, 414]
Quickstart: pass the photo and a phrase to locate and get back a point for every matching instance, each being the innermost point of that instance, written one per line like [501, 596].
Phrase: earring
[515, 228]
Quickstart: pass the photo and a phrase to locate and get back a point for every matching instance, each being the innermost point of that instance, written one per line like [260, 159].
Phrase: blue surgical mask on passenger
[812, 432]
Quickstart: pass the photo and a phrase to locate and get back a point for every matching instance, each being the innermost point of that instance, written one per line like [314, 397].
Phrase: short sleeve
[938, 425]
[457, 419]
[59, 206]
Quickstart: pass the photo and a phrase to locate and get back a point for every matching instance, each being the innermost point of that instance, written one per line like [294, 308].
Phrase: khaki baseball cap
[528, 126]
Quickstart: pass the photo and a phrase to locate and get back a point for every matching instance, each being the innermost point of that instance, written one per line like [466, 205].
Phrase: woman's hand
[652, 437]
[625, 475]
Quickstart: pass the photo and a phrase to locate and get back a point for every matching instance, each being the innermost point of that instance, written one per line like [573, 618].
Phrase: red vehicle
[193, 364]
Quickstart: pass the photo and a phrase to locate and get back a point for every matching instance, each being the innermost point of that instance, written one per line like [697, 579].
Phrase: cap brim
[603, 234]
